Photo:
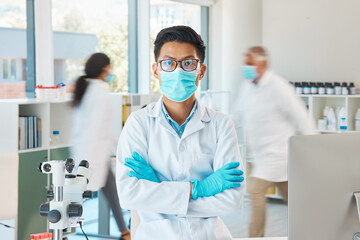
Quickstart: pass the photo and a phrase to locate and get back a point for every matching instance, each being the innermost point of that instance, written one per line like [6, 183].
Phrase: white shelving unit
[317, 103]
[54, 115]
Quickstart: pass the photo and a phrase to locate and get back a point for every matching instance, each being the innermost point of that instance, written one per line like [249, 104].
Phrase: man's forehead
[178, 50]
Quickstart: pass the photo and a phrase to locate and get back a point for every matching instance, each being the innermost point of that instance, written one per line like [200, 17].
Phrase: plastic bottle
[352, 89]
[314, 88]
[344, 89]
[321, 88]
[55, 140]
[326, 114]
[337, 112]
[357, 120]
[332, 120]
[343, 119]
[298, 88]
[337, 88]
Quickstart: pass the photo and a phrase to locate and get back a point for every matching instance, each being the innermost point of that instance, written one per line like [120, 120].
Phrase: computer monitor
[324, 171]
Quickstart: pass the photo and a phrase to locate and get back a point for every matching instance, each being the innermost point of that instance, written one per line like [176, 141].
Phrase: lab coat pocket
[160, 229]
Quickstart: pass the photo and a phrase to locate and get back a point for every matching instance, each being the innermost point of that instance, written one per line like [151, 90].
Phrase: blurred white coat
[271, 113]
[91, 137]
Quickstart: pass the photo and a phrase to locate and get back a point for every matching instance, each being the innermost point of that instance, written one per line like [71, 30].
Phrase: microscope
[68, 192]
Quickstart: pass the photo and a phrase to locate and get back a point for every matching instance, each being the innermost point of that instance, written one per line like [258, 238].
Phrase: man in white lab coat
[178, 162]
[270, 112]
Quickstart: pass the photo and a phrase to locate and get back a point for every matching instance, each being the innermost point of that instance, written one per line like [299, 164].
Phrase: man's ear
[156, 71]
[202, 71]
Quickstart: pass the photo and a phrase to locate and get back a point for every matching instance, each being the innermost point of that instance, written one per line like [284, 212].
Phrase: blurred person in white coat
[91, 137]
[270, 112]
[179, 163]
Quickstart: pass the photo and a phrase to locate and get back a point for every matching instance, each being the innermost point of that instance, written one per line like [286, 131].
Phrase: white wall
[313, 40]
[234, 26]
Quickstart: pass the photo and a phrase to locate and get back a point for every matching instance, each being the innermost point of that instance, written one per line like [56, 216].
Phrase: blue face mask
[178, 85]
[249, 72]
[110, 78]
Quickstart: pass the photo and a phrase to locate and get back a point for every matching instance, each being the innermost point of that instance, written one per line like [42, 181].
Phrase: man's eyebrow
[167, 56]
[190, 56]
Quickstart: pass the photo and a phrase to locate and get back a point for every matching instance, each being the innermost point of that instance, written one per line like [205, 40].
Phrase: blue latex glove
[142, 169]
[224, 178]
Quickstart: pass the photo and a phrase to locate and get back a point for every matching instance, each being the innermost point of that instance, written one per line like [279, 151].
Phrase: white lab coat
[91, 137]
[208, 143]
[271, 113]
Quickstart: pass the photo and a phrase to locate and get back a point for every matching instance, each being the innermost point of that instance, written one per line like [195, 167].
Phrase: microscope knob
[54, 216]
[356, 236]
[88, 195]
[50, 194]
[44, 209]
[75, 210]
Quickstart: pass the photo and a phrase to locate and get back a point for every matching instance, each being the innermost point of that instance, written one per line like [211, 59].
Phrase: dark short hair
[182, 34]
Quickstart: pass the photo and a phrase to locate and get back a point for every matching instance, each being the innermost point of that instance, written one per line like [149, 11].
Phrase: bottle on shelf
[298, 88]
[321, 88]
[337, 112]
[332, 120]
[329, 89]
[314, 88]
[337, 88]
[343, 119]
[326, 114]
[352, 88]
[306, 88]
[357, 120]
[344, 89]
[55, 138]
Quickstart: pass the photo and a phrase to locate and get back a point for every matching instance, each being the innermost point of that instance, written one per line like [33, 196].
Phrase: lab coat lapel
[197, 122]
[156, 112]
[167, 126]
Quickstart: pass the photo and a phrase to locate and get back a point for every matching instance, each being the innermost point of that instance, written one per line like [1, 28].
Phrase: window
[165, 13]
[13, 48]
[83, 27]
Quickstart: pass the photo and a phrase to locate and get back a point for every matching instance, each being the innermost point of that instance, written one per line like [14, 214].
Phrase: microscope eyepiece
[84, 163]
[47, 167]
[69, 165]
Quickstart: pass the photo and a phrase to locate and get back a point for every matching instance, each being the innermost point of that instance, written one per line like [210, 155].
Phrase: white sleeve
[142, 195]
[228, 201]
[294, 109]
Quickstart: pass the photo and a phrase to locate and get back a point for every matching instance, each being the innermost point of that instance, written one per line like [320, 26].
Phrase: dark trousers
[112, 198]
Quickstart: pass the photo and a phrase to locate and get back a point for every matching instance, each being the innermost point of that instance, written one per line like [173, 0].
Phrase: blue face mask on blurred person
[178, 85]
[110, 78]
[249, 72]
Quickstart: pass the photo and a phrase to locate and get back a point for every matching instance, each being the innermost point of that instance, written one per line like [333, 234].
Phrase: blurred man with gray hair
[270, 112]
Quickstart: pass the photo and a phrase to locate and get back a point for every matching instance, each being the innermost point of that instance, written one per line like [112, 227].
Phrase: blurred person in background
[91, 138]
[271, 113]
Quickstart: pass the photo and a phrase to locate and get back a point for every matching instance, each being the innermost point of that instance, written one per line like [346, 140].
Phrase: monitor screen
[324, 171]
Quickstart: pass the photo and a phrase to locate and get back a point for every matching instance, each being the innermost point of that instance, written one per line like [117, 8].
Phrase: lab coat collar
[265, 79]
[195, 124]
[200, 112]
